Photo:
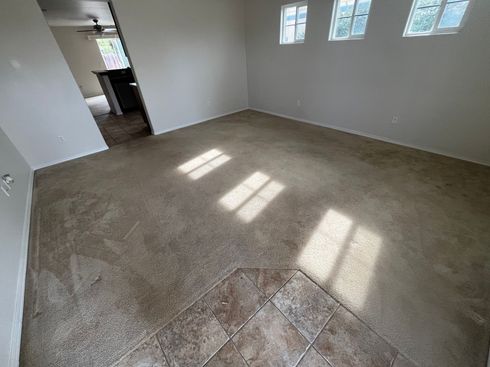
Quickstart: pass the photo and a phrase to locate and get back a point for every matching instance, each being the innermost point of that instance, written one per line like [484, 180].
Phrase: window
[349, 19]
[113, 54]
[430, 17]
[293, 23]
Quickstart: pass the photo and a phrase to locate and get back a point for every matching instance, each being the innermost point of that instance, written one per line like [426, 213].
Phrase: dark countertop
[102, 72]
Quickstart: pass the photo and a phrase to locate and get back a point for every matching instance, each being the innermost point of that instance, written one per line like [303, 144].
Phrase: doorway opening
[88, 36]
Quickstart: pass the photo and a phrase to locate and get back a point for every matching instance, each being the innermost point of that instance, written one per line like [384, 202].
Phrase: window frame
[123, 59]
[331, 36]
[435, 31]
[297, 5]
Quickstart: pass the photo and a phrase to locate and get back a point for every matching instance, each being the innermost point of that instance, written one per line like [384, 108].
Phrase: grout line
[354, 314]
[287, 281]
[323, 328]
[310, 345]
[158, 329]
[268, 299]
[394, 359]
[261, 307]
[328, 319]
[322, 356]
[238, 350]
[163, 352]
[220, 324]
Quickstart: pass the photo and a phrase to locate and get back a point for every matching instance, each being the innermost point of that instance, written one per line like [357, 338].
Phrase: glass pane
[345, 8]
[300, 32]
[288, 36]
[453, 15]
[424, 19]
[359, 26]
[342, 28]
[302, 14]
[290, 16]
[363, 7]
[112, 53]
[421, 3]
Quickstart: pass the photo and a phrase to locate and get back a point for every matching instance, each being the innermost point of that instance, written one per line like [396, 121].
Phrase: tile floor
[120, 129]
[265, 317]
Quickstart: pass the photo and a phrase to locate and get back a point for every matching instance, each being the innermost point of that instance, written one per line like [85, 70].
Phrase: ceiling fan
[99, 29]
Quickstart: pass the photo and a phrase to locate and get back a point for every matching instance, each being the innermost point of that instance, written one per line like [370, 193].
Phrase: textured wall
[14, 216]
[39, 99]
[82, 56]
[439, 86]
[189, 57]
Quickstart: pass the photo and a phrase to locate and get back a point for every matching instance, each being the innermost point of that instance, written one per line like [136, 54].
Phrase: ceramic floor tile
[193, 337]
[269, 339]
[234, 301]
[228, 356]
[268, 280]
[120, 129]
[401, 361]
[305, 304]
[148, 354]
[313, 359]
[347, 342]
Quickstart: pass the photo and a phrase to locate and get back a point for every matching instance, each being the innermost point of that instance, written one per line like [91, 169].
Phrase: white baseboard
[158, 132]
[69, 158]
[372, 136]
[16, 332]
[199, 122]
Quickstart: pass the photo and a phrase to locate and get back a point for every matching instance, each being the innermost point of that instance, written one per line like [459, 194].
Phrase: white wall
[39, 99]
[188, 57]
[14, 218]
[439, 86]
[82, 56]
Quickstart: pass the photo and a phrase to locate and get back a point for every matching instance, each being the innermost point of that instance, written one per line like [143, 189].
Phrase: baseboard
[158, 132]
[199, 121]
[488, 359]
[66, 159]
[16, 333]
[376, 137]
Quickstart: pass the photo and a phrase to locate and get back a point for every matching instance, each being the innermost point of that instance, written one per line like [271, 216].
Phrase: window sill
[429, 34]
[346, 39]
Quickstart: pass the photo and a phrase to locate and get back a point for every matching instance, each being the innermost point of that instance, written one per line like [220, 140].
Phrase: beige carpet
[124, 240]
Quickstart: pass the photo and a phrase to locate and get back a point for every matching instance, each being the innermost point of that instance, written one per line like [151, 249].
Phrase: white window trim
[435, 30]
[283, 24]
[351, 36]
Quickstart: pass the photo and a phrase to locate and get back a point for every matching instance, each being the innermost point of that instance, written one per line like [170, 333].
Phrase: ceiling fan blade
[88, 30]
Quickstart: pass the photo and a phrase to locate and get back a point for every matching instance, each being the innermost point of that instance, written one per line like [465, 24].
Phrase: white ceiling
[76, 13]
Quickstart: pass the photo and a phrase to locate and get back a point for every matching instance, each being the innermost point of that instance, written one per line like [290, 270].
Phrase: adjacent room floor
[121, 129]
[125, 240]
[117, 129]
